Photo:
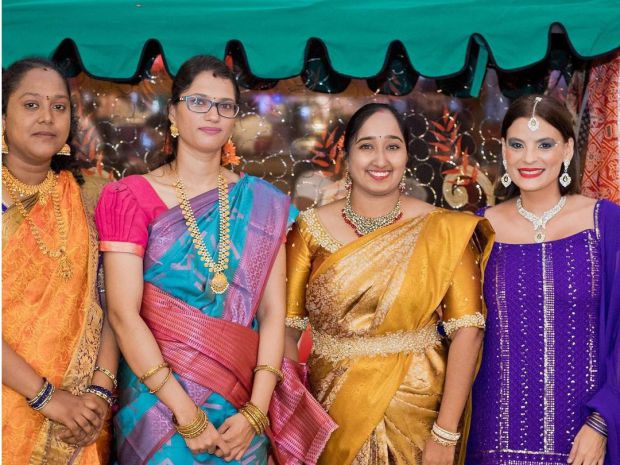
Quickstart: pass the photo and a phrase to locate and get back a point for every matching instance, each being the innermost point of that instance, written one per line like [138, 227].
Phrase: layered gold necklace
[219, 282]
[363, 225]
[17, 188]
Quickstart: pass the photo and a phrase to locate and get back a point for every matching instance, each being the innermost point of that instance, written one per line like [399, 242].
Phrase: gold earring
[5, 147]
[229, 153]
[174, 131]
[402, 186]
[65, 151]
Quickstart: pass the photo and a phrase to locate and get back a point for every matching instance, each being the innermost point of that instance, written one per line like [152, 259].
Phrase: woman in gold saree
[58, 354]
[373, 289]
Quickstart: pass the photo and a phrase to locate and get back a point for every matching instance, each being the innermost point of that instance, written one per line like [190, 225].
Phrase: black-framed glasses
[201, 104]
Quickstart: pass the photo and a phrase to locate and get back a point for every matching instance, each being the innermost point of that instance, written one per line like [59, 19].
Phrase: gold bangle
[270, 369]
[161, 385]
[152, 371]
[258, 414]
[109, 374]
[195, 428]
[253, 423]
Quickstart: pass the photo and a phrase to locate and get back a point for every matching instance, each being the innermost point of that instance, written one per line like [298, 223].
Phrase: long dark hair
[361, 116]
[12, 77]
[557, 115]
[184, 79]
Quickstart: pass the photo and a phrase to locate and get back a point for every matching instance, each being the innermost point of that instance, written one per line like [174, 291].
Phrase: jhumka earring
[174, 131]
[565, 179]
[229, 153]
[533, 123]
[402, 186]
[5, 147]
[65, 151]
[505, 179]
[348, 182]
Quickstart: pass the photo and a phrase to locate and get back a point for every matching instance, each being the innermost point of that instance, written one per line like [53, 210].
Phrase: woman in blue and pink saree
[202, 337]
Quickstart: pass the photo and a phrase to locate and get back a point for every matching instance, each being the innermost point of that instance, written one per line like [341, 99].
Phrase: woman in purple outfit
[548, 390]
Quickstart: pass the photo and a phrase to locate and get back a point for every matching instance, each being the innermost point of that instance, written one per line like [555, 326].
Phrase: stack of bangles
[597, 423]
[102, 393]
[270, 369]
[255, 416]
[154, 370]
[195, 428]
[444, 437]
[43, 396]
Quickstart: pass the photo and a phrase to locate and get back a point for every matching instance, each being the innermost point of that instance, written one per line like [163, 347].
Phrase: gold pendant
[219, 283]
[64, 267]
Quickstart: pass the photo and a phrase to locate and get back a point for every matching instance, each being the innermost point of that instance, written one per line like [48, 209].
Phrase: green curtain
[110, 34]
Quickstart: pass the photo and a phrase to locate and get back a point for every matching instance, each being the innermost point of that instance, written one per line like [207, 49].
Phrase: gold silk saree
[378, 363]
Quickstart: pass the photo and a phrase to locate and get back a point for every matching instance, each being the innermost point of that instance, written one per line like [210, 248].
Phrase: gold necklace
[60, 254]
[26, 190]
[219, 282]
[363, 225]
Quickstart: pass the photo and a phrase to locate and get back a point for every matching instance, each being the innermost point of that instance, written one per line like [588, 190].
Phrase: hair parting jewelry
[43, 396]
[219, 282]
[151, 371]
[533, 124]
[47, 187]
[270, 369]
[195, 428]
[109, 374]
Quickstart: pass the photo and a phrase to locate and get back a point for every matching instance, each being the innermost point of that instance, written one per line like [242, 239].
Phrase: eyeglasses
[201, 104]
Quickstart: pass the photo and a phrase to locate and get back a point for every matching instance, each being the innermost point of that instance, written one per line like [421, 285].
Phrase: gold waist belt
[335, 348]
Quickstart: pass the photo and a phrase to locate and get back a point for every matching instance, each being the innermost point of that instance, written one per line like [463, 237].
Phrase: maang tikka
[533, 123]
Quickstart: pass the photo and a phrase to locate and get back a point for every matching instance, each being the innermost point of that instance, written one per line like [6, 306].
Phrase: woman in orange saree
[374, 289]
[55, 343]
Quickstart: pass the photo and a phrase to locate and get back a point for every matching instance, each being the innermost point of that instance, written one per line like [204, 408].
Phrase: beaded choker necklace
[219, 282]
[363, 225]
[540, 222]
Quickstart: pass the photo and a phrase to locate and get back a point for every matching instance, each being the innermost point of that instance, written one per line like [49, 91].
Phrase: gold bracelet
[152, 371]
[195, 428]
[161, 385]
[442, 441]
[109, 374]
[270, 369]
[253, 423]
[257, 414]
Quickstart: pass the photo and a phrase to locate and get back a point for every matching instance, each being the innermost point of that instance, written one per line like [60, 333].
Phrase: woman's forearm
[291, 341]
[18, 374]
[107, 358]
[141, 351]
[270, 352]
[462, 358]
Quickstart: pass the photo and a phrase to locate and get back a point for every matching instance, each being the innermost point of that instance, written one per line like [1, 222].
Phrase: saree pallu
[378, 363]
[55, 325]
[211, 341]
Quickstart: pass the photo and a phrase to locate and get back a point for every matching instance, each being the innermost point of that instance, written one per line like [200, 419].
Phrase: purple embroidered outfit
[550, 355]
